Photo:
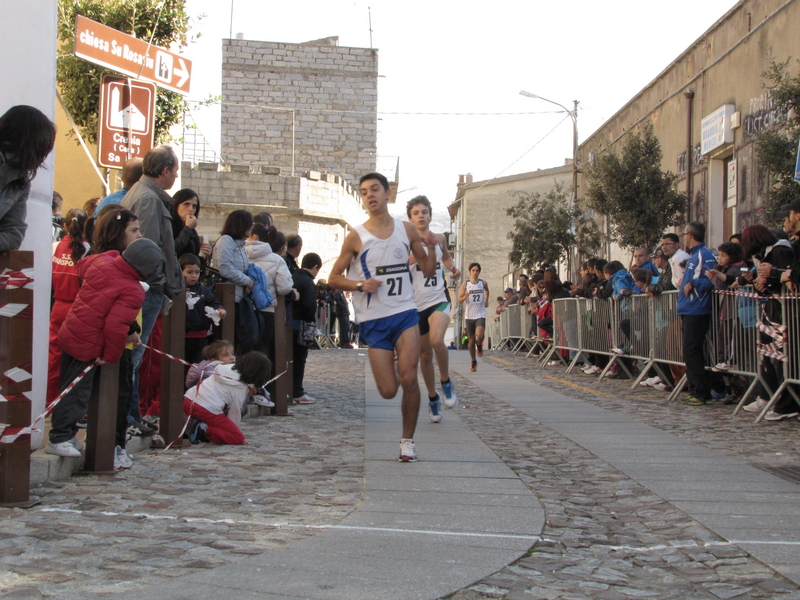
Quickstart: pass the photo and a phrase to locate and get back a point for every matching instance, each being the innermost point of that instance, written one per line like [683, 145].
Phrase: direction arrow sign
[110, 48]
[126, 121]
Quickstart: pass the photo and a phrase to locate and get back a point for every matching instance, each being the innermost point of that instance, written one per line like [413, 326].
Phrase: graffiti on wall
[763, 114]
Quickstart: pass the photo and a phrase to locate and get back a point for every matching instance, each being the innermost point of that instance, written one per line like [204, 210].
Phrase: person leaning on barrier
[772, 257]
[791, 225]
[664, 283]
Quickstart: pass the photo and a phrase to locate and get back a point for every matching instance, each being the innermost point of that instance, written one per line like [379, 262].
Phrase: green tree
[79, 80]
[634, 194]
[776, 147]
[547, 228]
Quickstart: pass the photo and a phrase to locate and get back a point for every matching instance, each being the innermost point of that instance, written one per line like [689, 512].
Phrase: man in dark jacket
[304, 311]
[342, 313]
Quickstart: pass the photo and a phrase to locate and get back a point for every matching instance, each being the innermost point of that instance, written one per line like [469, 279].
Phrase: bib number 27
[395, 286]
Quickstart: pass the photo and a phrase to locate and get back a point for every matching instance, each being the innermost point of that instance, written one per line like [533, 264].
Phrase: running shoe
[650, 382]
[140, 428]
[450, 399]
[474, 366]
[619, 350]
[64, 449]
[663, 387]
[719, 395]
[479, 348]
[260, 400]
[691, 400]
[407, 451]
[723, 366]
[304, 399]
[756, 406]
[435, 410]
[776, 416]
[122, 459]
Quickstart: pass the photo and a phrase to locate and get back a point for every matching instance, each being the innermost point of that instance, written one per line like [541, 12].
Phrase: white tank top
[476, 297]
[386, 260]
[429, 291]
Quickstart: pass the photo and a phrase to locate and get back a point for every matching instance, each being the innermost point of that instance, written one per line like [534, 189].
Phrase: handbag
[210, 277]
[307, 334]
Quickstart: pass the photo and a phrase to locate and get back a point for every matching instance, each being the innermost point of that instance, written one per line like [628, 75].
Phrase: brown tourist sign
[126, 121]
[126, 54]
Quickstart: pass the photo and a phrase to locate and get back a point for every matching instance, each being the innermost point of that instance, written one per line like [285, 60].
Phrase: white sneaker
[407, 451]
[450, 398]
[76, 443]
[554, 363]
[122, 459]
[64, 449]
[723, 366]
[263, 401]
[774, 416]
[587, 368]
[756, 406]
[650, 382]
[304, 399]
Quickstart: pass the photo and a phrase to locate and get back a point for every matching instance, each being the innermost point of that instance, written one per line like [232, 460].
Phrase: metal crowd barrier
[652, 334]
[324, 319]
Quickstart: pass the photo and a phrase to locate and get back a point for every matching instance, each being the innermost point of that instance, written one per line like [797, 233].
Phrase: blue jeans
[150, 309]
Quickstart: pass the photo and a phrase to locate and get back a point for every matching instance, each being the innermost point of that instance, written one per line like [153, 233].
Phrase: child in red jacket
[98, 326]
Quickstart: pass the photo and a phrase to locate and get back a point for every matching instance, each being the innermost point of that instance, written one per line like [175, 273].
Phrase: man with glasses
[670, 245]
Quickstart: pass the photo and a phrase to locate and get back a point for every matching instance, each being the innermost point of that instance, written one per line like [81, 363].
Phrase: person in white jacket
[214, 407]
[279, 281]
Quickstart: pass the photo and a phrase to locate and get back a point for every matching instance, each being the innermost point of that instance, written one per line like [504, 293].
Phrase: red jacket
[108, 302]
[65, 273]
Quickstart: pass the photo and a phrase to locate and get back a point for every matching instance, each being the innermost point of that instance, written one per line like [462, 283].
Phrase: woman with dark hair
[230, 259]
[27, 137]
[115, 229]
[184, 213]
[69, 251]
[761, 246]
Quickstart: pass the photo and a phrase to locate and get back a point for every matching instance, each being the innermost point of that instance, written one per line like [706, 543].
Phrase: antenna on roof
[369, 13]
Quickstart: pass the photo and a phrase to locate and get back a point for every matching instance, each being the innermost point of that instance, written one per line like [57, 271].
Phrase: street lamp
[574, 116]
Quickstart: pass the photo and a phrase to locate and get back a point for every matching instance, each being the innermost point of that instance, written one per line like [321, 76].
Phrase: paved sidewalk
[533, 488]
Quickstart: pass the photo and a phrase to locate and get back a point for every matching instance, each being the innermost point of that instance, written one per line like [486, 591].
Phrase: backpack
[261, 296]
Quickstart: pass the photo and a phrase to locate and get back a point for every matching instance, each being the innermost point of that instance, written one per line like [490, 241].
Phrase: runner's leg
[439, 322]
[426, 363]
[382, 363]
[407, 347]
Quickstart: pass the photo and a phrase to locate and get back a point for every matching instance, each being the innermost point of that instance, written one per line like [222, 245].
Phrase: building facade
[706, 106]
[481, 224]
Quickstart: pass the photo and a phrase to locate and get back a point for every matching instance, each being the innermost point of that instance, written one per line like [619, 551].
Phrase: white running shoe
[65, 449]
[755, 406]
[260, 400]
[122, 459]
[407, 451]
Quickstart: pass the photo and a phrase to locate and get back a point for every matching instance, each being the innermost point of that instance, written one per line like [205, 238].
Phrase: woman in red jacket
[69, 250]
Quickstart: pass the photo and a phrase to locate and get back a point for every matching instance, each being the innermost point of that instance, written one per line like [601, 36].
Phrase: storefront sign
[732, 183]
[716, 129]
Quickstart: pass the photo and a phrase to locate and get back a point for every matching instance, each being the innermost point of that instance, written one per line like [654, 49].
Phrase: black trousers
[299, 354]
[695, 328]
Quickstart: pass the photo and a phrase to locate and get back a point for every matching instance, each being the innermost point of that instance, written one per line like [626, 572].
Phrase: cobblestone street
[606, 536]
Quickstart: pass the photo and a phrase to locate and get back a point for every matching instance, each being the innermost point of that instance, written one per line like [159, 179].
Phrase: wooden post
[173, 341]
[16, 351]
[283, 357]
[226, 294]
[101, 431]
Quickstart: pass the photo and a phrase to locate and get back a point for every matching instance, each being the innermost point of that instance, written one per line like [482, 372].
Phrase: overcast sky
[471, 58]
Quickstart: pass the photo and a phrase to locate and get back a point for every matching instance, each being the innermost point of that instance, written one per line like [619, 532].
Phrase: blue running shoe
[435, 410]
[450, 399]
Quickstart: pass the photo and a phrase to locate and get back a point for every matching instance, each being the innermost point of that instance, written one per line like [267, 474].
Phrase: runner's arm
[462, 292]
[337, 278]
[425, 260]
[486, 295]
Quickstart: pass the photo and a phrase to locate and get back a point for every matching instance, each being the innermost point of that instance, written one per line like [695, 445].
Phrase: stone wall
[331, 91]
[320, 207]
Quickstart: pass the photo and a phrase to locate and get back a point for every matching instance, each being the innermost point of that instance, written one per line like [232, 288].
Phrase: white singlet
[429, 291]
[386, 260]
[476, 297]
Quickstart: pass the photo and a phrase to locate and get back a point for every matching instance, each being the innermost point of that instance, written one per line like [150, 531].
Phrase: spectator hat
[794, 205]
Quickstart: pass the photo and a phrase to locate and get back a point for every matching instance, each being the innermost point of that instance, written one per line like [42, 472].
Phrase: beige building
[706, 105]
[481, 225]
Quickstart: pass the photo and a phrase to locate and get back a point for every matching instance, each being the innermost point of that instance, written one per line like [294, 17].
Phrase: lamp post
[574, 116]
